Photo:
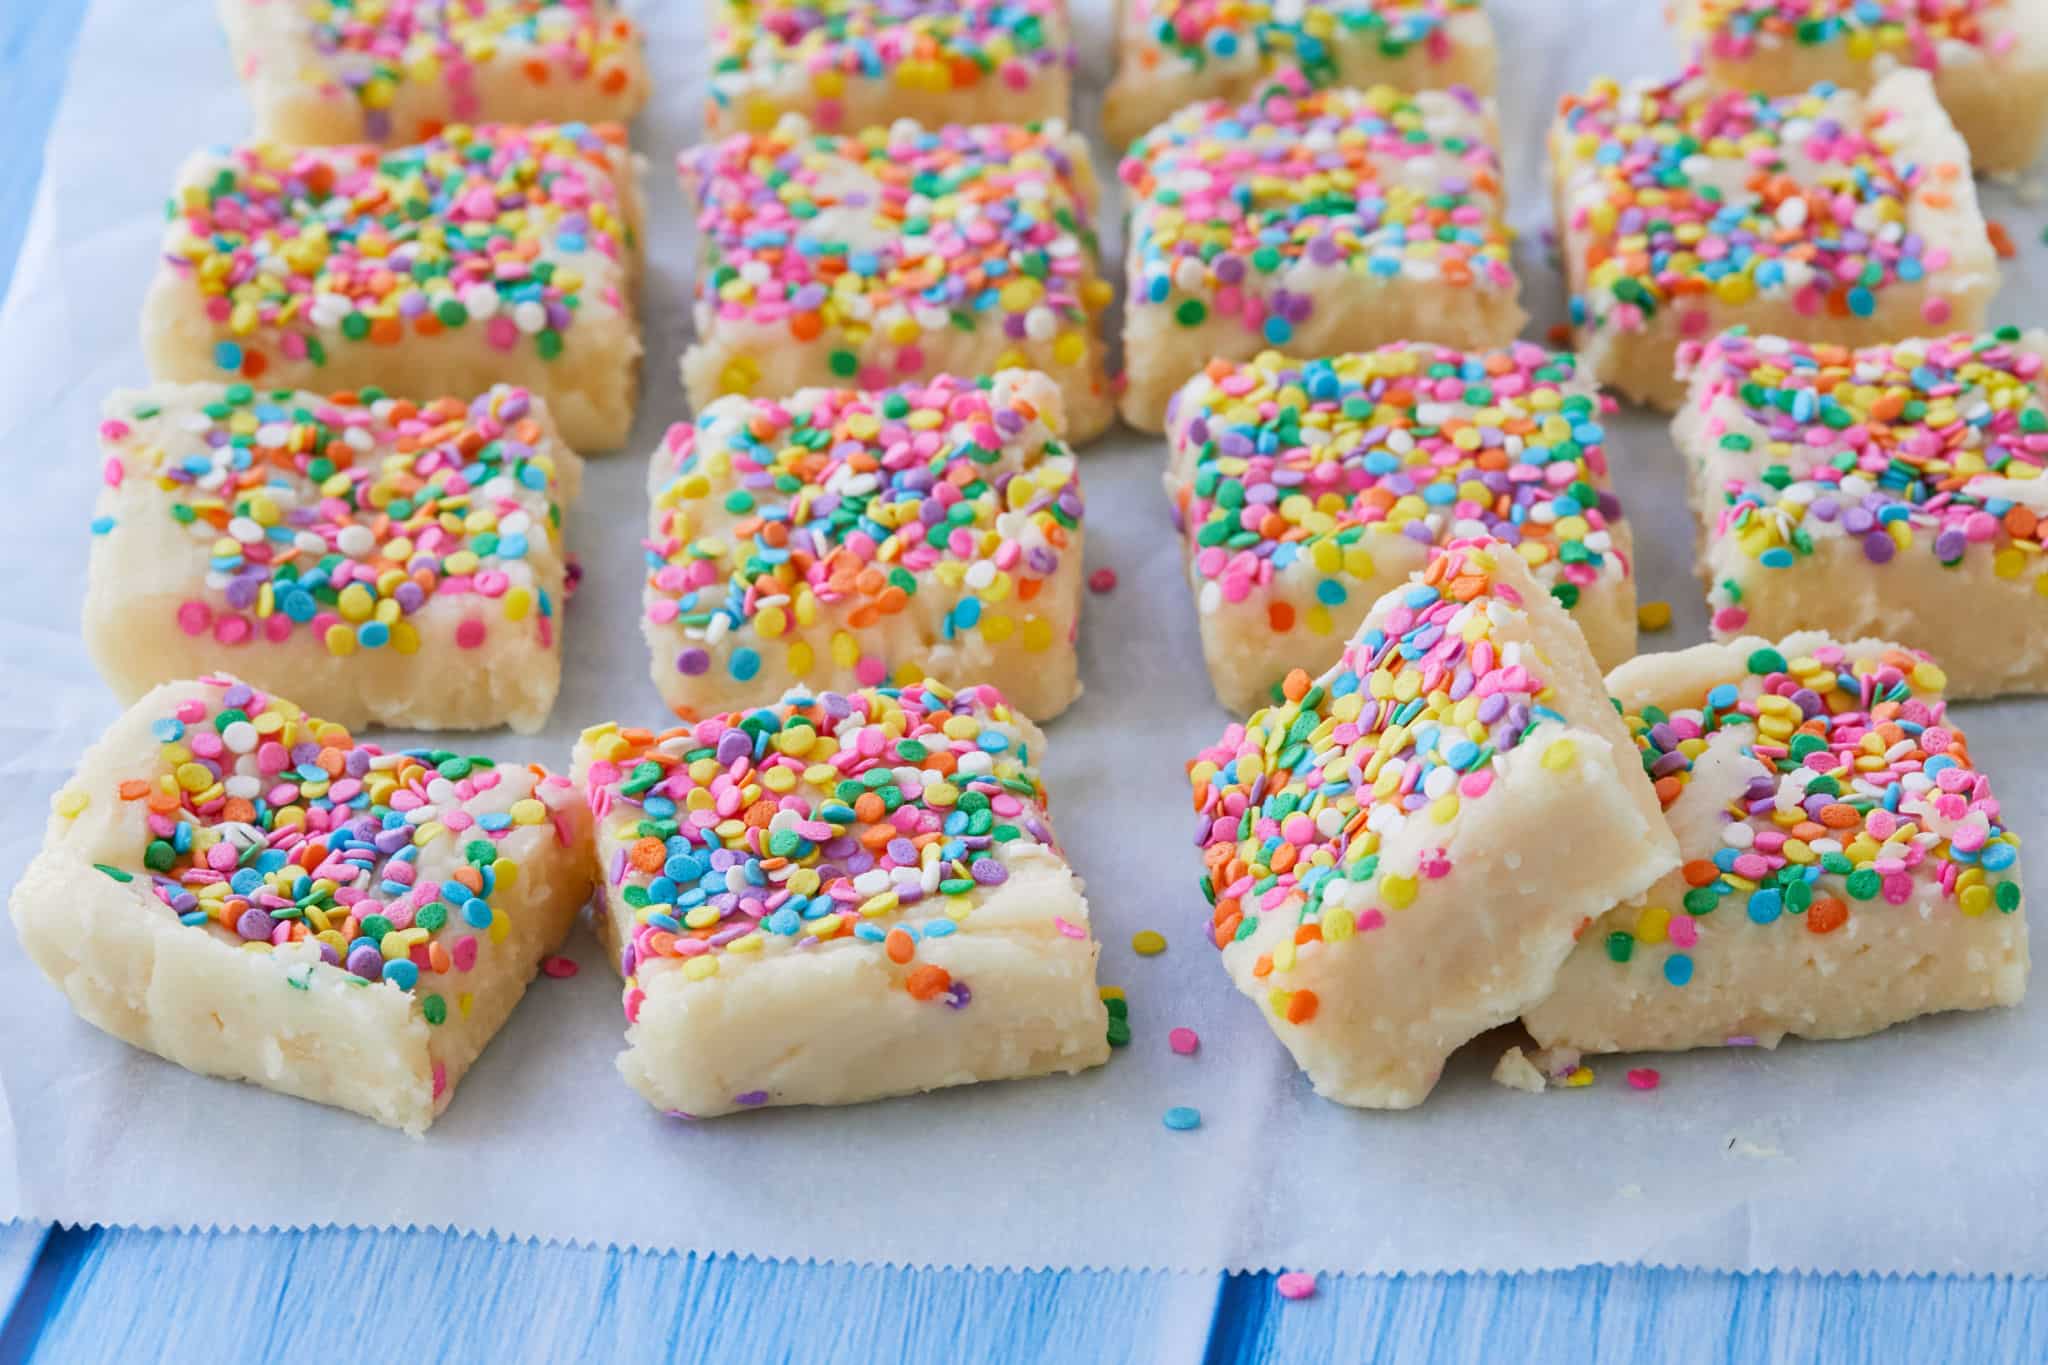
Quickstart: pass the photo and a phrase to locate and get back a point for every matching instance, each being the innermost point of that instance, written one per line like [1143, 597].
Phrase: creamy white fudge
[1174, 52]
[382, 561]
[249, 892]
[842, 539]
[1845, 866]
[851, 64]
[1826, 215]
[1988, 58]
[393, 71]
[1403, 853]
[1312, 222]
[837, 898]
[897, 253]
[1305, 490]
[495, 254]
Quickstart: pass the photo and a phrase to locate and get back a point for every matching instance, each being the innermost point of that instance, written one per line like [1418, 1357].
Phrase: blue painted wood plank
[36, 38]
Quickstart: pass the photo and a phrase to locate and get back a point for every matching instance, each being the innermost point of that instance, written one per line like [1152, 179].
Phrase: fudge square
[385, 562]
[487, 255]
[1895, 489]
[843, 539]
[1312, 221]
[1829, 216]
[1306, 490]
[899, 253]
[1175, 52]
[849, 64]
[1989, 58]
[248, 891]
[321, 72]
[1846, 867]
[1400, 855]
[838, 898]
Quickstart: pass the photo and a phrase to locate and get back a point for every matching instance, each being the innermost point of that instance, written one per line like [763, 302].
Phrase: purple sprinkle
[692, 662]
[367, 963]
[988, 872]
[751, 1098]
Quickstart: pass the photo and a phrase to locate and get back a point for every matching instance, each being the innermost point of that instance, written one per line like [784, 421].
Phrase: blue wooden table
[102, 1294]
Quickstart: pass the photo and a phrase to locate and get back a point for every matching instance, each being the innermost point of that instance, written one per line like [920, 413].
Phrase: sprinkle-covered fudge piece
[1306, 490]
[494, 254]
[1846, 867]
[1989, 58]
[838, 898]
[1685, 210]
[1174, 52]
[892, 254]
[390, 562]
[842, 539]
[850, 64]
[321, 72]
[1312, 222]
[248, 891]
[1895, 489]
[1399, 856]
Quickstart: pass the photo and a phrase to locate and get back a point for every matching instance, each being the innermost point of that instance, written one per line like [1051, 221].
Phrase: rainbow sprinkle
[1313, 465]
[1293, 805]
[1911, 31]
[772, 56]
[345, 518]
[1251, 213]
[510, 231]
[1866, 793]
[373, 51]
[1820, 220]
[880, 817]
[1903, 449]
[1307, 35]
[861, 532]
[275, 831]
[874, 245]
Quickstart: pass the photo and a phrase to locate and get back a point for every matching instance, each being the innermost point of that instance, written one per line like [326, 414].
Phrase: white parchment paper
[1913, 1151]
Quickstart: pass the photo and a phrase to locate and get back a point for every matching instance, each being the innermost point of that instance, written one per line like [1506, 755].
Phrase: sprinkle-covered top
[1911, 31]
[512, 231]
[881, 239]
[1250, 212]
[796, 526]
[1296, 806]
[875, 820]
[1682, 191]
[1305, 34]
[1860, 796]
[1317, 462]
[345, 517]
[278, 832]
[375, 48]
[926, 46]
[1918, 448]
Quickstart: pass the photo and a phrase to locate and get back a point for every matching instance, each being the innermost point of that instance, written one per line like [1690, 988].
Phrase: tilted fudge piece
[494, 254]
[396, 71]
[1306, 490]
[1829, 216]
[893, 254]
[1989, 58]
[849, 64]
[1174, 52]
[249, 892]
[838, 898]
[1894, 490]
[1313, 222]
[388, 562]
[844, 539]
[1400, 855]
[1845, 863]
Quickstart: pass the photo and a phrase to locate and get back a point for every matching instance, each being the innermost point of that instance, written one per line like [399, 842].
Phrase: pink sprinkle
[561, 968]
[1296, 1284]
[470, 633]
[1184, 1041]
[1644, 1077]
[1060, 923]
[1102, 580]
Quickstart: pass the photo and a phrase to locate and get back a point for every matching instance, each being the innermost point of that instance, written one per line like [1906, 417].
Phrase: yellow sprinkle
[1654, 615]
[1561, 754]
[71, 802]
[1148, 943]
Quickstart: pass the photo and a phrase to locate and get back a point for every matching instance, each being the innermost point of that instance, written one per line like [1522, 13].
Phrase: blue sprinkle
[1678, 969]
[1182, 1117]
